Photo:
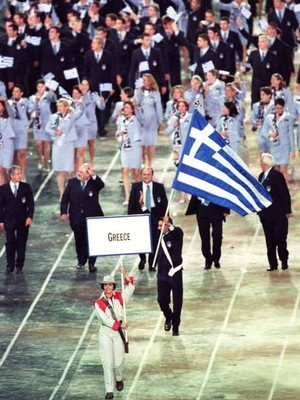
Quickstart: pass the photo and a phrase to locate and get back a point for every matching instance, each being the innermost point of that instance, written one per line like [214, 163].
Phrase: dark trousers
[276, 240]
[16, 239]
[81, 244]
[165, 286]
[155, 236]
[205, 224]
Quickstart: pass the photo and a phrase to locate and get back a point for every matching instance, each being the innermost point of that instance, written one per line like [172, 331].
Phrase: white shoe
[125, 203]
[40, 166]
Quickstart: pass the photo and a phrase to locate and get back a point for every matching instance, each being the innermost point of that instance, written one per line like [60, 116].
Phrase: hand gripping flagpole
[162, 229]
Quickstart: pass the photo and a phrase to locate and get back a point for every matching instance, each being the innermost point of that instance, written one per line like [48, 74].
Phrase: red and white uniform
[111, 346]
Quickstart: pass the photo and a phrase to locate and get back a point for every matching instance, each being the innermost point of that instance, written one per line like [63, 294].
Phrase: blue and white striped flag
[210, 169]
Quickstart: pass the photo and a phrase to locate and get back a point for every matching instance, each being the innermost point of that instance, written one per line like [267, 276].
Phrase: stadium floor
[240, 324]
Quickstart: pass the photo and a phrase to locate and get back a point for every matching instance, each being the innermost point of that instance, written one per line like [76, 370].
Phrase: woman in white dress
[81, 126]
[149, 114]
[40, 104]
[229, 126]
[91, 100]
[177, 130]
[214, 94]
[177, 93]
[278, 128]
[7, 135]
[61, 127]
[195, 93]
[129, 136]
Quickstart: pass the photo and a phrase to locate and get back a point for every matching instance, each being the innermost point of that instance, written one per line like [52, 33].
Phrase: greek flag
[210, 169]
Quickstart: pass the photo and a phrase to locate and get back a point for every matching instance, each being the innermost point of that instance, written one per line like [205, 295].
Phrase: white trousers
[112, 355]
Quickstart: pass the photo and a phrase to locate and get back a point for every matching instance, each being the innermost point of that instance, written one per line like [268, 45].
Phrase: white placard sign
[119, 235]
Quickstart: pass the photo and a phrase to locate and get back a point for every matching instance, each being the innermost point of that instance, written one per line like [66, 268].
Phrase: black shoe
[175, 332]
[119, 385]
[141, 265]
[9, 270]
[152, 269]
[168, 325]
[92, 268]
[109, 395]
[284, 266]
[272, 268]
[208, 265]
[217, 265]
[79, 266]
[19, 270]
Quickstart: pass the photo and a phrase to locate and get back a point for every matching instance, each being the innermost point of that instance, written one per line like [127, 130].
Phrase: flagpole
[162, 228]
[123, 297]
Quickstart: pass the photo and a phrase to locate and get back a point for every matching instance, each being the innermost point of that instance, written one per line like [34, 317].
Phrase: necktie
[147, 54]
[15, 190]
[83, 185]
[55, 49]
[262, 56]
[280, 15]
[97, 57]
[17, 115]
[225, 37]
[148, 198]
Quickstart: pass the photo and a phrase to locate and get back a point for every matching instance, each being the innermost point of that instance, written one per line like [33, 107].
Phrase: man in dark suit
[232, 39]
[148, 197]
[56, 57]
[16, 214]
[209, 216]
[169, 274]
[286, 20]
[264, 65]
[155, 63]
[221, 48]
[99, 67]
[200, 54]
[280, 49]
[80, 200]
[274, 218]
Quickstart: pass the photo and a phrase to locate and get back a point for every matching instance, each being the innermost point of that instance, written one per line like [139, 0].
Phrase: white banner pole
[123, 296]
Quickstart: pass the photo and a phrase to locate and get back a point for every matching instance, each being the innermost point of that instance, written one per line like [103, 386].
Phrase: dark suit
[281, 50]
[99, 72]
[235, 48]
[157, 212]
[224, 56]
[288, 25]
[13, 213]
[209, 216]
[167, 284]
[262, 72]
[56, 63]
[274, 218]
[156, 67]
[80, 204]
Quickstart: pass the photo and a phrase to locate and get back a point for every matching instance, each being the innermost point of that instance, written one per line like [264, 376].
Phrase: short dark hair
[232, 108]
[280, 102]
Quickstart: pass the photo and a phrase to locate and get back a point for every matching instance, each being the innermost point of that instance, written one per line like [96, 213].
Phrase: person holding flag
[109, 309]
[169, 274]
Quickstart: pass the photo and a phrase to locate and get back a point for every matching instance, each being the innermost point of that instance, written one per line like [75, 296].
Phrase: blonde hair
[65, 103]
[152, 81]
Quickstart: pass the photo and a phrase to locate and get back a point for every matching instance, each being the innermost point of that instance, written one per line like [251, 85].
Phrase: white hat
[108, 279]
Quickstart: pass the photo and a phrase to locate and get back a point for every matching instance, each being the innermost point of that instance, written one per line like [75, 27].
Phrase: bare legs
[21, 160]
[60, 179]
[43, 152]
